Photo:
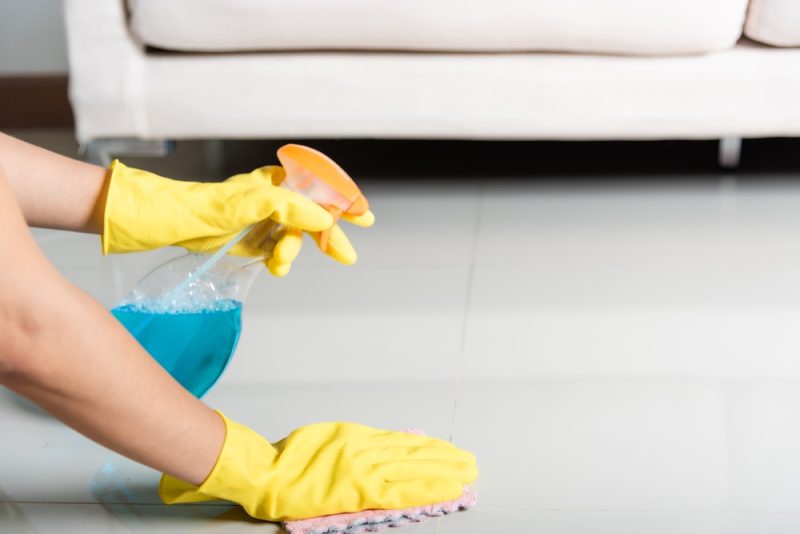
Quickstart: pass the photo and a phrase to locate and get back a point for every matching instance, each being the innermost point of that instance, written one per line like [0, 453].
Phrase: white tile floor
[622, 357]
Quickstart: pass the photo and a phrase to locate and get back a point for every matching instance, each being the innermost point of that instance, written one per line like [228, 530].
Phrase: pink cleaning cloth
[375, 520]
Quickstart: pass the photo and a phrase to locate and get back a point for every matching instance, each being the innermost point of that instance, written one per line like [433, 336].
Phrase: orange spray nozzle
[317, 177]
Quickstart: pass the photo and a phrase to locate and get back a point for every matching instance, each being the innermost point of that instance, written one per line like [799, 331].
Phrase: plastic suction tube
[209, 264]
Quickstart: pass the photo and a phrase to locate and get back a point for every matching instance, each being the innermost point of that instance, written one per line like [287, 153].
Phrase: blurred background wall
[32, 40]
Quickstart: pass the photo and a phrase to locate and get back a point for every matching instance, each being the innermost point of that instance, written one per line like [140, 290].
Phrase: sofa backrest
[635, 27]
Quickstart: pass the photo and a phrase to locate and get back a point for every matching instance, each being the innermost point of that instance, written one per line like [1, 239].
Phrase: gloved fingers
[294, 210]
[252, 198]
[393, 438]
[381, 455]
[338, 246]
[461, 472]
[364, 220]
[288, 246]
[277, 268]
[410, 493]
[285, 252]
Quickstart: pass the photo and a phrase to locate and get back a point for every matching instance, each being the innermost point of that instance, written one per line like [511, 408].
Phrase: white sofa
[155, 70]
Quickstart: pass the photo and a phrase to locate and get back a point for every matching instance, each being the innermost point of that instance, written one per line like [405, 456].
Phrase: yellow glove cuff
[140, 205]
[243, 469]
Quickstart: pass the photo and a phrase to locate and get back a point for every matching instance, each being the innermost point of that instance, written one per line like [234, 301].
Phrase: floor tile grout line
[476, 229]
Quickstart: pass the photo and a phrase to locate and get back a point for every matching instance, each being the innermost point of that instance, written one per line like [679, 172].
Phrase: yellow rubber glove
[338, 245]
[145, 211]
[328, 468]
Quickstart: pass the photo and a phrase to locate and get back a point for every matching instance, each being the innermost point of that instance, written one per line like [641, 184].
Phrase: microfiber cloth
[374, 520]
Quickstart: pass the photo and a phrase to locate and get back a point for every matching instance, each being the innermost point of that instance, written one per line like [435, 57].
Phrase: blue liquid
[194, 347]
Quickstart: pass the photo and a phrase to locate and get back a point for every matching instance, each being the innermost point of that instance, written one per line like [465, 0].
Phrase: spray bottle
[187, 313]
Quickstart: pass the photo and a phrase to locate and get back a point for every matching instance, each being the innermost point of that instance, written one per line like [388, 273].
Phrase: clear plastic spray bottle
[187, 313]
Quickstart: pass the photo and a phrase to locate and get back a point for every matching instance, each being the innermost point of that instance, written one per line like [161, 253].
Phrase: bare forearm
[86, 370]
[65, 352]
[53, 191]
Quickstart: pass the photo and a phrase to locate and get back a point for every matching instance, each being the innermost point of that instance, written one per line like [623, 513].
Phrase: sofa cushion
[596, 26]
[774, 22]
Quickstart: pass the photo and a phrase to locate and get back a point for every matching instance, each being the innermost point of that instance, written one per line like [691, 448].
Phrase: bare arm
[64, 351]
[53, 191]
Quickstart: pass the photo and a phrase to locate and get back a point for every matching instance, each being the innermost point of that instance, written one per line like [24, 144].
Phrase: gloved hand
[337, 247]
[145, 211]
[328, 468]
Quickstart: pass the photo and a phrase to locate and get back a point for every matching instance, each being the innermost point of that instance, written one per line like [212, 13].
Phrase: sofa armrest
[774, 22]
[106, 69]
